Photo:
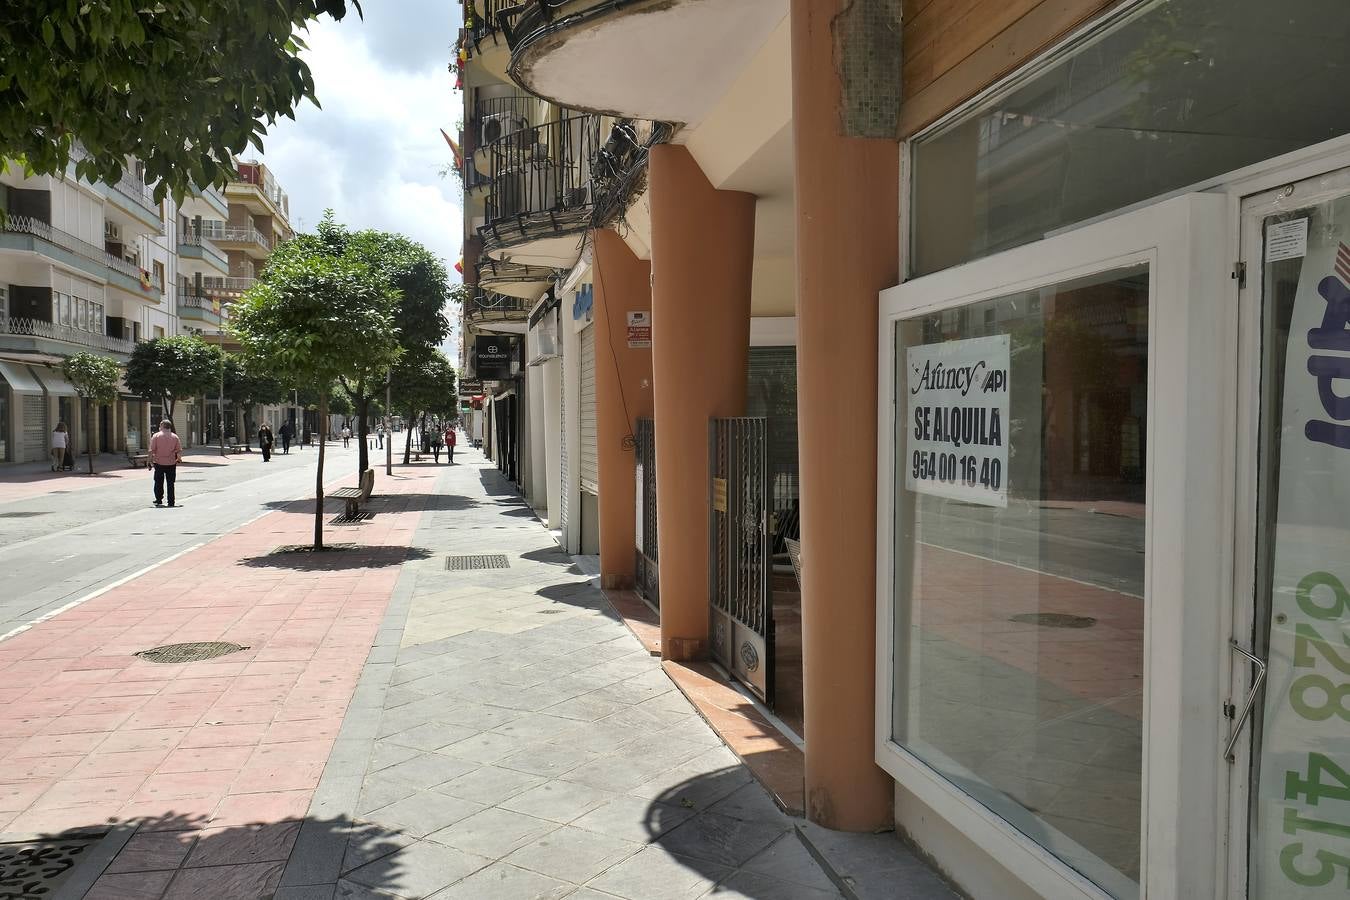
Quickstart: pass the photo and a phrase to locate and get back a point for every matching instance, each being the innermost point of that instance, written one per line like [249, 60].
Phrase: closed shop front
[1116, 466]
[587, 462]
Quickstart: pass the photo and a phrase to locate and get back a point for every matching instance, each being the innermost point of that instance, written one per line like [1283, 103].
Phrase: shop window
[1173, 94]
[1019, 609]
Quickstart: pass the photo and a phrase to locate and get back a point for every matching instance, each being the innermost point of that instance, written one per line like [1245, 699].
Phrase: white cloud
[374, 152]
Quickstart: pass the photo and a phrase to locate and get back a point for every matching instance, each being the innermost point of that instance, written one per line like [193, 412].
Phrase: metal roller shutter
[588, 466]
[34, 428]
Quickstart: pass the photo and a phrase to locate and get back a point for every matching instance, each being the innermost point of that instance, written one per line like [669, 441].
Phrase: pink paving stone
[279, 806]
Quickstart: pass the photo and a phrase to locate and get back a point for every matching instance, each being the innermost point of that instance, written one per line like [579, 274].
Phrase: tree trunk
[421, 436]
[89, 428]
[407, 436]
[318, 479]
[362, 429]
[168, 412]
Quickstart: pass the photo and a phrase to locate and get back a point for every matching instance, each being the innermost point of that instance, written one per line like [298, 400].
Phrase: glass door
[1289, 745]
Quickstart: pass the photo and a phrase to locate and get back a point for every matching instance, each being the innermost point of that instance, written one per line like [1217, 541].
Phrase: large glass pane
[1019, 602]
[1300, 836]
[1184, 91]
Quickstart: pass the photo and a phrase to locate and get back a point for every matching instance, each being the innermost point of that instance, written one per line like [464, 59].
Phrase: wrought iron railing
[134, 187]
[40, 229]
[191, 237]
[497, 117]
[541, 180]
[227, 284]
[491, 305]
[212, 309]
[240, 234]
[487, 24]
[64, 333]
[492, 272]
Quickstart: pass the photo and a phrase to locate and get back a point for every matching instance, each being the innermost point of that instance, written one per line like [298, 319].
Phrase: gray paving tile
[484, 747]
[493, 832]
[787, 859]
[386, 754]
[559, 801]
[753, 886]
[506, 882]
[428, 770]
[368, 842]
[632, 819]
[720, 839]
[305, 892]
[572, 854]
[490, 785]
[547, 759]
[656, 874]
[378, 791]
[424, 812]
[430, 736]
[418, 870]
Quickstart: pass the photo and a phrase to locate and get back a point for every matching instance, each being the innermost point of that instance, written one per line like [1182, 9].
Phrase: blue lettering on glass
[1332, 335]
[581, 306]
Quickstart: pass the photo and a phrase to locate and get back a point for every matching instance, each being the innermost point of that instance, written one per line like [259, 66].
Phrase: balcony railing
[212, 310]
[65, 334]
[541, 180]
[134, 187]
[40, 229]
[485, 27]
[238, 234]
[227, 285]
[488, 305]
[497, 117]
[191, 237]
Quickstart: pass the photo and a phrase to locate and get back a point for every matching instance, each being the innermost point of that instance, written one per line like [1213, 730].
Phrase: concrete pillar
[847, 251]
[623, 394]
[702, 254]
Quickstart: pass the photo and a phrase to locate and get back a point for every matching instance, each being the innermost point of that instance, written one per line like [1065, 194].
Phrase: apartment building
[1066, 468]
[86, 267]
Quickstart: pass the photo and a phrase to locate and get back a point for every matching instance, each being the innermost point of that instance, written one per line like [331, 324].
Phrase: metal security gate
[589, 466]
[648, 582]
[741, 567]
[35, 428]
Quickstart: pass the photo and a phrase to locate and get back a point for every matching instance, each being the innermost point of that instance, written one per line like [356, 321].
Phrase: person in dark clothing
[287, 433]
[265, 441]
[435, 438]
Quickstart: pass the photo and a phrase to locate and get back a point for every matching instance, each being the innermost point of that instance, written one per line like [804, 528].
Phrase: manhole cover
[309, 548]
[356, 519]
[195, 651]
[1054, 620]
[35, 869]
[476, 561]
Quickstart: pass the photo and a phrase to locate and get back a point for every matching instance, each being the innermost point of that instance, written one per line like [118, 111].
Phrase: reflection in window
[1019, 630]
[1183, 91]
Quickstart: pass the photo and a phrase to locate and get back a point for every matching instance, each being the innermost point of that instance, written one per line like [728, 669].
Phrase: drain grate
[195, 651]
[34, 870]
[476, 561]
[309, 548]
[355, 519]
[1054, 620]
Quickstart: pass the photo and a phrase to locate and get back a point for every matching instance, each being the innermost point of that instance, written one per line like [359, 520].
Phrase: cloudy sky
[374, 152]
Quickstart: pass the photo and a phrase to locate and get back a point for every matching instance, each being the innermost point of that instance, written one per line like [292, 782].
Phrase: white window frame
[1188, 531]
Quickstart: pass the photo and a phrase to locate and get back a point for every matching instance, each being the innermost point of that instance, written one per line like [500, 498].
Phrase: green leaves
[174, 368]
[94, 377]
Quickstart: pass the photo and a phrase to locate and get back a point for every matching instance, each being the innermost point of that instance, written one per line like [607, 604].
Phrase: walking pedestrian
[166, 452]
[265, 441]
[346, 435]
[379, 437]
[436, 446]
[450, 445]
[60, 440]
[287, 432]
[305, 437]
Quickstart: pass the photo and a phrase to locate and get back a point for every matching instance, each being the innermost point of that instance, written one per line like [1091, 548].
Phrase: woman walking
[60, 440]
[265, 441]
[450, 444]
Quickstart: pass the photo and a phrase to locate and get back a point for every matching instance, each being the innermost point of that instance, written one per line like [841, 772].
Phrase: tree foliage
[173, 368]
[248, 386]
[95, 380]
[315, 317]
[180, 84]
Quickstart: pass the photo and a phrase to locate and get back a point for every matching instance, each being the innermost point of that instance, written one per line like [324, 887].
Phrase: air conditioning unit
[112, 231]
[499, 125]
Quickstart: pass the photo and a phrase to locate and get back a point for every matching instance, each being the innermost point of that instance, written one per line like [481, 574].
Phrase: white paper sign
[958, 420]
[1287, 240]
[1301, 836]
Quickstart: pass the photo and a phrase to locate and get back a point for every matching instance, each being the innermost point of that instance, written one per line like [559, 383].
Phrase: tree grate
[476, 561]
[1054, 620]
[34, 870]
[309, 548]
[195, 651]
[354, 519]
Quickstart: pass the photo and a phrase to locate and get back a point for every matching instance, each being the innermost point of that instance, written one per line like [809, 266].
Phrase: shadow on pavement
[554, 557]
[187, 856]
[334, 559]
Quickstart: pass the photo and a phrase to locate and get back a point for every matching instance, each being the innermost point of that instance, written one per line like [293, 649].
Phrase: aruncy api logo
[1334, 335]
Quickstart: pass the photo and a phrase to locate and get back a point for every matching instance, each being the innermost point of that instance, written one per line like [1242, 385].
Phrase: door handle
[1251, 699]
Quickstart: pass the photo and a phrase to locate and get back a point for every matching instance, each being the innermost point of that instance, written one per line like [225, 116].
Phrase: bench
[138, 458]
[235, 447]
[355, 496]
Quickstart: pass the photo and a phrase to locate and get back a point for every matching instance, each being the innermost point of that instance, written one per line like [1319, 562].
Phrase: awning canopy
[19, 377]
[56, 382]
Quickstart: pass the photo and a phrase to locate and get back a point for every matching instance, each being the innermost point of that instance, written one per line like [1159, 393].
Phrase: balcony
[33, 235]
[488, 307]
[205, 310]
[256, 189]
[192, 245]
[666, 60]
[514, 279]
[38, 333]
[136, 199]
[227, 287]
[486, 42]
[539, 200]
[237, 237]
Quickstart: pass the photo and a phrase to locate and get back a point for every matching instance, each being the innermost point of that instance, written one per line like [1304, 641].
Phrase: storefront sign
[958, 420]
[1301, 839]
[495, 357]
[639, 330]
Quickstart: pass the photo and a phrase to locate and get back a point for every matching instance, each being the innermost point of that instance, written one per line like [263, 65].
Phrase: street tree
[314, 317]
[423, 382]
[169, 369]
[95, 380]
[182, 85]
[246, 387]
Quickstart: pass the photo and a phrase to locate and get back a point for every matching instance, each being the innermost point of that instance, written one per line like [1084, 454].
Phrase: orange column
[847, 251]
[702, 254]
[623, 394]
